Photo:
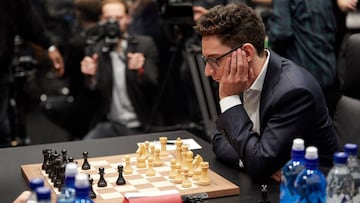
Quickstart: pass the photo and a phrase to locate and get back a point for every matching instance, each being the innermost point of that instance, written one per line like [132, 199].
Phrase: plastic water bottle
[82, 188]
[33, 184]
[43, 195]
[70, 173]
[340, 186]
[67, 194]
[310, 184]
[354, 166]
[290, 171]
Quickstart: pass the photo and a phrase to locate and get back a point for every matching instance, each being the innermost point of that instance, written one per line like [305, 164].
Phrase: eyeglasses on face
[214, 61]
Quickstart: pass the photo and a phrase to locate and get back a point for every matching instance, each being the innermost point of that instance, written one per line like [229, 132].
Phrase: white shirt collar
[259, 82]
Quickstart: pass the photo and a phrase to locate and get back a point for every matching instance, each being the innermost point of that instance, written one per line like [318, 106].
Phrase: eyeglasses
[214, 61]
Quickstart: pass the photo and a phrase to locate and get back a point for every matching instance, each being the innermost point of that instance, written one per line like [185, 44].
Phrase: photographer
[17, 17]
[123, 79]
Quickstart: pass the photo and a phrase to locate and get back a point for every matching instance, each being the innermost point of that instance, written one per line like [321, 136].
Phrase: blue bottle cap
[340, 157]
[43, 193]
[351, 149]
[35, 183]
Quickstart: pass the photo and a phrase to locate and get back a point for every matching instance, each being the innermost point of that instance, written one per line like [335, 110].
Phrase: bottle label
[341, 198]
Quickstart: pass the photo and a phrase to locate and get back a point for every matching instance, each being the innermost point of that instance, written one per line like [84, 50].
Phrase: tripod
[203, 87]
[23, 67]
[204, 90]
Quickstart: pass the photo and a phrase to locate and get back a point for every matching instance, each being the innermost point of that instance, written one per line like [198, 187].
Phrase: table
[13, 183]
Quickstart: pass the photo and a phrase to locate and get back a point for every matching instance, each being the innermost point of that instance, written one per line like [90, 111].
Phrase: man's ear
[250, 51]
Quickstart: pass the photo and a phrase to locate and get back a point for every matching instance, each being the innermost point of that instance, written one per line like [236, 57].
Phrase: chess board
[137, 181]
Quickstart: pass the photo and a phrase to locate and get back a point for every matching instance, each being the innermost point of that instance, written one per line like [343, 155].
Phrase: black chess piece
[56, 178]
[52, 171]
[62, 176]
[102, 182]
[92, 192]
[85, 165]
[264, 192]
[121, 180]
[64, 156]
[46, 155]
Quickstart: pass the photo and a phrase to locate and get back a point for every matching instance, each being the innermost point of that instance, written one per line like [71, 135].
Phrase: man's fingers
[234, 64]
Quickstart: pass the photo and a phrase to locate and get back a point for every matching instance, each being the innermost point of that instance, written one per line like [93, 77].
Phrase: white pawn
[197, 174]
[150, 171]
[186, 183]
[157, 161]
[127, 168]
[172, 173]
[178, 178]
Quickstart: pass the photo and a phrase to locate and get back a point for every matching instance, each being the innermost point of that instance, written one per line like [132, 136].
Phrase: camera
[178, 20]
[108, 31]
[24, 62]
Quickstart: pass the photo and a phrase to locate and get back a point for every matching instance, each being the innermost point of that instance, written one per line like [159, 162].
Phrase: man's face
[116, 11]
[212, 48]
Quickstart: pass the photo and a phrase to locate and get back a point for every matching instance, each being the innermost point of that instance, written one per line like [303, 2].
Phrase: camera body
[24, 63]
[108, 31]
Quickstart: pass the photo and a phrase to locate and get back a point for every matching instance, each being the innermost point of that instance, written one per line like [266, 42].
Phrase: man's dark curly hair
[234, 24]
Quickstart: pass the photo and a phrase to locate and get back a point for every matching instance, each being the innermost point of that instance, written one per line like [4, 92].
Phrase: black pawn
[85, 165]
[102, 181]
[92, 192]
[264, 192]
[121, 180]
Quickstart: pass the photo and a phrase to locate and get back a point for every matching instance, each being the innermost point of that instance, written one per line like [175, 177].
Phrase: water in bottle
[310, 184]
[290, 171]
[340, 182]
[67, 193]
[354, 166]
[82, 189]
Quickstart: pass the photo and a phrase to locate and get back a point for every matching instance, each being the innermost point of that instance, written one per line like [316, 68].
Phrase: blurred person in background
[123, 80]
[304, 31]
[19, 18]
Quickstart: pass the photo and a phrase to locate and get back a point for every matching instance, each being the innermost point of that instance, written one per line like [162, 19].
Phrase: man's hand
[277, 176]
[22, 198]
[57, 60]
[237, 75]
[347, 5]
[89, 65]
[135, 61]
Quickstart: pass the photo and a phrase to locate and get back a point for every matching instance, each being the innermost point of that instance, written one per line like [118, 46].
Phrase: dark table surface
[13, 183]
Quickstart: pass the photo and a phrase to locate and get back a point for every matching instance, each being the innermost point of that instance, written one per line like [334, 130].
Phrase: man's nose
[208, 71]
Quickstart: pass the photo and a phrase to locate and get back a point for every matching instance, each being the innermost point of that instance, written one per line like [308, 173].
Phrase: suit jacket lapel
[271, 79]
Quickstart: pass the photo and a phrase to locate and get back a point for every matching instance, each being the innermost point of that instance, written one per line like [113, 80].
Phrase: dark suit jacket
[291, 106]
[141, 86]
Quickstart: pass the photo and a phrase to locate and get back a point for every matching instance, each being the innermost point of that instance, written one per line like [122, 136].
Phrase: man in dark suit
[266, 101]
[123, 80]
